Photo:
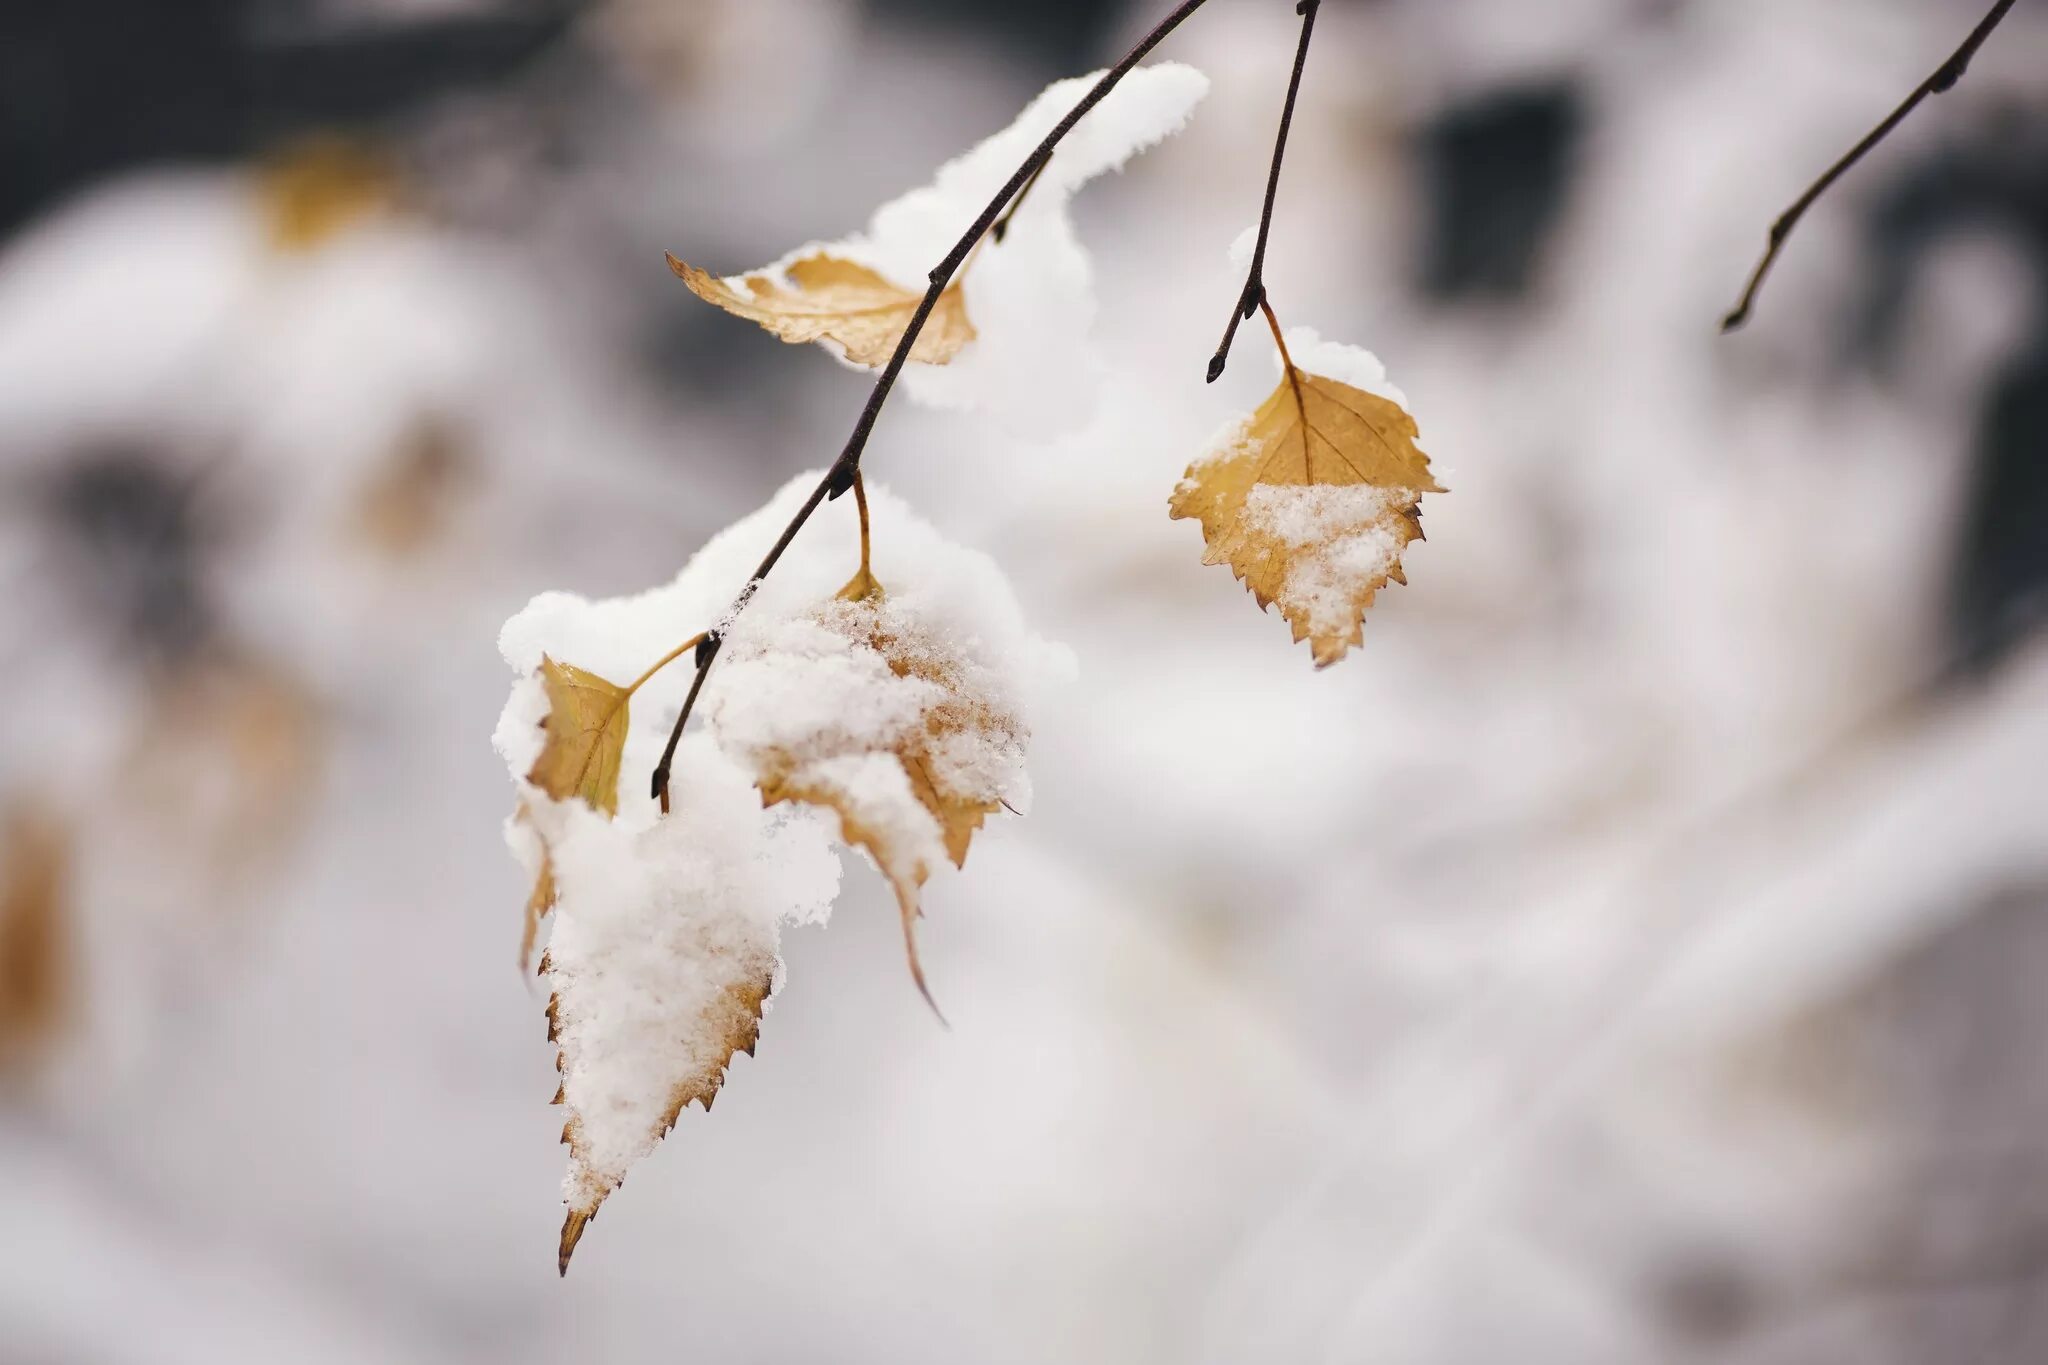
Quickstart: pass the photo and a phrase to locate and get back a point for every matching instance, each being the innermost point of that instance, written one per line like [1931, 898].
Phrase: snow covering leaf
[663, 957]
[820, 297]
[914, 787]
[664, 932]
[586, 736]
[694, 1021]
[1312, 500]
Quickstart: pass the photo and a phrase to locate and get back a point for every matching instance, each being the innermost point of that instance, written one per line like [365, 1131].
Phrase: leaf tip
[572, 1233]
[906, 900]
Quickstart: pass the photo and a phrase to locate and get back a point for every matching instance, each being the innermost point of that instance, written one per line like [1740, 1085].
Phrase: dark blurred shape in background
[1994, 181]
[90, 88]
[1059, 36]
[1497, 170]
[133, 542]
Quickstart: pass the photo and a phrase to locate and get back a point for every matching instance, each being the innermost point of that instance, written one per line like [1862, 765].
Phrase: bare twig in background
[1943, 79]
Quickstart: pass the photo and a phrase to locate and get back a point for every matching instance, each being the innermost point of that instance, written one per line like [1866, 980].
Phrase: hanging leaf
[901, 712]
[828, 298]
[671, 1041]
[586, 736]
[911, 788]
[1312, 500]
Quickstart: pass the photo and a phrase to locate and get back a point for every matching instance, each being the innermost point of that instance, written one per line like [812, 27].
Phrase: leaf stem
[665, 660]
[1280, 341]
[846, 469]
[1308, 465]
[1254, 291]
[1944, 79]
[860, 500]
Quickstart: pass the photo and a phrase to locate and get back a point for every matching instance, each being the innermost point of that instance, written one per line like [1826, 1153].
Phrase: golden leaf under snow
[740, 978]
[1311, 502]
[586, 736]
[893, 820]
[646, 1018]
[828, 298]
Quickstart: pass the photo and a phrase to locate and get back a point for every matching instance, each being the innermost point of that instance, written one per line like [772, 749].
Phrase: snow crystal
[1031, 298]
[817, 702]
[1339, 545]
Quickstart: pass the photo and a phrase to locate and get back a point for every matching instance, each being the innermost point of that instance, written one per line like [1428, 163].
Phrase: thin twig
[1254, 291]
[1943, 79]
[840, 477]
[675, 736]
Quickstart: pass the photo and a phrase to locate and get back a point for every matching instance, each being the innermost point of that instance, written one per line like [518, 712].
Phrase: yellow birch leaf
[828, 298]
[586, 736]
[542, 899]
[955, 800]
[737, 981]
[1311, 502]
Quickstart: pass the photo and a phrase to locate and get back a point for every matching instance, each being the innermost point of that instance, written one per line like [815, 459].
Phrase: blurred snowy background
[1632, 954]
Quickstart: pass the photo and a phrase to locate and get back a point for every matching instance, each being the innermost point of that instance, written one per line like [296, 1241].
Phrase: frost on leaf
[868, 709]
[826, 298]
[1312, 500]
